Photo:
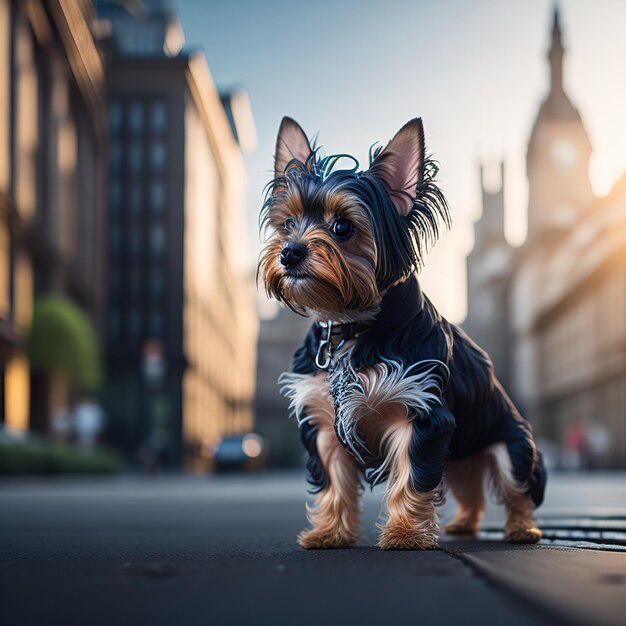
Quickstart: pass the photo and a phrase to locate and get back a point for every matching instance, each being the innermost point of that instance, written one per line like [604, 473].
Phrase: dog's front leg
[416, 451]
[334, 517]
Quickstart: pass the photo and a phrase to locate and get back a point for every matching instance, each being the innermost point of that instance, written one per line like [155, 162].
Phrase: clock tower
[558, 155]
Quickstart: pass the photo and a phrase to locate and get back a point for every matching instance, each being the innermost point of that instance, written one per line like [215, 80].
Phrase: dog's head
[336, 239]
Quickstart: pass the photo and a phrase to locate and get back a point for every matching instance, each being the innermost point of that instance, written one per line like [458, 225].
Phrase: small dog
[384, 388]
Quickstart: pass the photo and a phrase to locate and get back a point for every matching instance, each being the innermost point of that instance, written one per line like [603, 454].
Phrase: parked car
[240, 453]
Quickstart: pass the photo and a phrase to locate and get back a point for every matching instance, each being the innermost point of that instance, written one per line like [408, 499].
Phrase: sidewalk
[222, 550]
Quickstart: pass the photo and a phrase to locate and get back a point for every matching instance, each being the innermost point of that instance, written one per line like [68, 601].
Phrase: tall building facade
[53, 147]
[488, 269]
[564, 322]
[179, 280]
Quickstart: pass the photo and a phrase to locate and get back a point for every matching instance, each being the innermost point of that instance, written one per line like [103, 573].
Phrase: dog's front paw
[402, 537]
[312, 539]
[523, 535]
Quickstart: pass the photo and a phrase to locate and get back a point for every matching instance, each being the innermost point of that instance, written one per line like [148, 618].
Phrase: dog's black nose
[292, 255]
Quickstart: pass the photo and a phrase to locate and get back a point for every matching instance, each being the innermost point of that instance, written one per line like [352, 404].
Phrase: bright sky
[356, 70]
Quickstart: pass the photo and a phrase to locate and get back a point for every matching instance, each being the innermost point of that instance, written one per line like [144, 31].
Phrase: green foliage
[52, 458]
[63, 340]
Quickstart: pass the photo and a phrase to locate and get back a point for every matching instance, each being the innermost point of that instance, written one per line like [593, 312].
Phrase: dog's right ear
[291, 144]
[401, 165]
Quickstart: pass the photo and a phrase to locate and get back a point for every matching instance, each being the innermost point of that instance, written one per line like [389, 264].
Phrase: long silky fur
[299, 389]
[416, 389]
[402, 242]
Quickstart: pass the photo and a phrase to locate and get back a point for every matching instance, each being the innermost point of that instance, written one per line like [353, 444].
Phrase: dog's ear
[291, 143]
[401, 165]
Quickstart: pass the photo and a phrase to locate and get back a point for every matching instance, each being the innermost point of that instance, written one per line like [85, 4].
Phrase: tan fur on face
[336, 276]
[335, 515]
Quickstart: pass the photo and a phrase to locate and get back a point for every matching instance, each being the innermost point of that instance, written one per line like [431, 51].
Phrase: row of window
[153, 284]
[132, 240]
[137, 117]
[586, 334]
[133, 156]
[137, 150]
[153, 192]
[136, 325]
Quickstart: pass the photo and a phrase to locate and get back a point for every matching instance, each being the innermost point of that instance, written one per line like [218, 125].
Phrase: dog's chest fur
[364, 405]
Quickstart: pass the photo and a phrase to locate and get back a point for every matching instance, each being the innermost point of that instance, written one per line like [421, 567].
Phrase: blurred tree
[63, 341]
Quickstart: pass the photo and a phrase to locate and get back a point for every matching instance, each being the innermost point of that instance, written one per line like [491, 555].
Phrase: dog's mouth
[296, 275]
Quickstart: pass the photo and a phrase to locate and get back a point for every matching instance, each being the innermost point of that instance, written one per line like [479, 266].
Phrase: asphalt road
[221, 550]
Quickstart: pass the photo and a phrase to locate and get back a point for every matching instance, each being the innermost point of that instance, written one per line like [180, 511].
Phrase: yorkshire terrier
[384, 388]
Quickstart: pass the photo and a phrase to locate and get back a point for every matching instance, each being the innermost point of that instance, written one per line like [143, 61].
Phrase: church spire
[555, 56]
[559, 150]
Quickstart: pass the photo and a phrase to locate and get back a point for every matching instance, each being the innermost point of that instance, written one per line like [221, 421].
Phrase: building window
[156, 324]
[115, 282]
[115, 156]
[115, 117]
[16, 394]
[5, 92]
[115, 324]
[135, 284]
[115, 239]
[134, 242]
[156, 283]
[22, 290]
[157, 240]
[157, 156]
[157, 196]
[135, 156]
[27, 133]
[115, 197]
[5, 269]
[135, 117]
[135, 199]
[158, 116]
[134, 324]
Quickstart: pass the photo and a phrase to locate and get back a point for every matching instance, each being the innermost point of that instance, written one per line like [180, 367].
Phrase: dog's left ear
[401, 165]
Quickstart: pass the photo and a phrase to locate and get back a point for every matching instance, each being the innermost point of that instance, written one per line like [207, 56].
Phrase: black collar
[333, 335]
[398, 308]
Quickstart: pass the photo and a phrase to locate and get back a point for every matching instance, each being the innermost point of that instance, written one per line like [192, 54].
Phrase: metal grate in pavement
[588, 532]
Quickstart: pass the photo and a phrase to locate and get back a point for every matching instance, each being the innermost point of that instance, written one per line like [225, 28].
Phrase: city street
[221, 550]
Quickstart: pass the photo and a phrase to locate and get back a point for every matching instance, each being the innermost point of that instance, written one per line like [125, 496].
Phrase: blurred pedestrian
[575, 446]
[598, 444]
[88, 421]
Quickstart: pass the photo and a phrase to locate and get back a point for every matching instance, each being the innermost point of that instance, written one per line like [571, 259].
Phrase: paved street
[221, 550]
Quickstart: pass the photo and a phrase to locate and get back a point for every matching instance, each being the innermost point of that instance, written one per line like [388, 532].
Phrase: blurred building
[180, 301]
[564, 328]
[279, 338]
[52, 163]
[488, 269]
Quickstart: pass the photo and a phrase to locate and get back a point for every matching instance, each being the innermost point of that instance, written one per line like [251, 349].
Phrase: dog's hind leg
[334, 517]
[465, 480]
[520, 526]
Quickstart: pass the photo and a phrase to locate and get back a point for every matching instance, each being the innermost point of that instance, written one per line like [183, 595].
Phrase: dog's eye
[289, 224]
[342, 229]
